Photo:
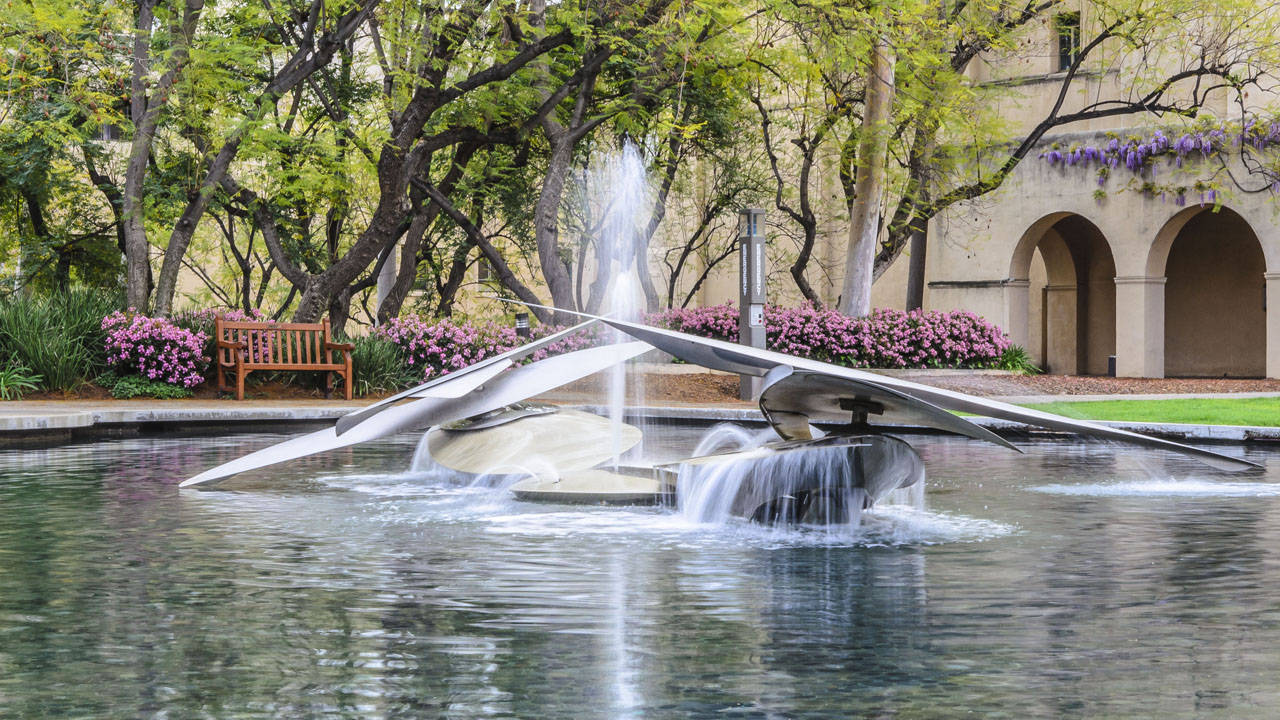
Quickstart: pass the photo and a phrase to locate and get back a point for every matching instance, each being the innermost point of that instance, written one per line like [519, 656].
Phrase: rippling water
[1078, 580]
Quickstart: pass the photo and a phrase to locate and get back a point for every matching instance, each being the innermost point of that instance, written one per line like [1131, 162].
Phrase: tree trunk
[915, 272]
[144, 109]
[185, 228]
[407, 271]
[864, 225]
[547, 228]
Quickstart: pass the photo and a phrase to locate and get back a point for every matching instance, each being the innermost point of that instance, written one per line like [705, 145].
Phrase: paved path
[46, 415]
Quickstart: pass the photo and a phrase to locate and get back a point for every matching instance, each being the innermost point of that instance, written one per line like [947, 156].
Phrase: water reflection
[346, 587]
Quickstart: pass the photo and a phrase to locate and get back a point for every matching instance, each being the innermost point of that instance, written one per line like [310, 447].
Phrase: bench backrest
[276, 346]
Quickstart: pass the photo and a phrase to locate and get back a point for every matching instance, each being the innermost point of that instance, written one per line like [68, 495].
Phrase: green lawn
[1241, 411]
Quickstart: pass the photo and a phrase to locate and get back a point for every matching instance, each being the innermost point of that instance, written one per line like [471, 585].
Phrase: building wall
[981, 255]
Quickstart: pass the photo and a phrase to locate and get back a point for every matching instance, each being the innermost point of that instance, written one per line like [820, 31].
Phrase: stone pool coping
[53, 422]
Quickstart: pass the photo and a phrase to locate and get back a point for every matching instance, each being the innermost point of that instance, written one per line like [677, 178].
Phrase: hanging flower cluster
[155, 348]
[884, 339]
[1138, 155]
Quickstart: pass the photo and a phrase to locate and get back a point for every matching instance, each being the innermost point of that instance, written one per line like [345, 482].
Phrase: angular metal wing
[459, 382]
[791, 400]
[505, 389]
[721, 355]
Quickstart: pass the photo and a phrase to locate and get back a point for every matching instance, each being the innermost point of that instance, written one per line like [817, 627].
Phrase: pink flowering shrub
[442, 346]
[884, 339]
[155, 348]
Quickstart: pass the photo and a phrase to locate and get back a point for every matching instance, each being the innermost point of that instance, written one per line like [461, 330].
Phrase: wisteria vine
[1139, 155]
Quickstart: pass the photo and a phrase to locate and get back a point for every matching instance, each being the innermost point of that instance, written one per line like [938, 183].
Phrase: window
[483, 271]
[1067, 26]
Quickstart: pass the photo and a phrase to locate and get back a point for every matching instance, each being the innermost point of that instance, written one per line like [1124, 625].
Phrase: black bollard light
[522, 324]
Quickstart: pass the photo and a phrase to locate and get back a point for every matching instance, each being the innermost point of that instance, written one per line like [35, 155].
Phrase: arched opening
[1215, 319]
[1071, 314]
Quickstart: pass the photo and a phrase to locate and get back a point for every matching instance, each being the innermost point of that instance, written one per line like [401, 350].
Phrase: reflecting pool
[1077, 580]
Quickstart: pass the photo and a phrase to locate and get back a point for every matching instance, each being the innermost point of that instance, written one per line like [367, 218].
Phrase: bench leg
[240, 373]
[346, 379]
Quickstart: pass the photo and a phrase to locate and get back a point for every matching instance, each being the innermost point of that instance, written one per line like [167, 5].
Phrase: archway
[1070, 274]
[1215, 319]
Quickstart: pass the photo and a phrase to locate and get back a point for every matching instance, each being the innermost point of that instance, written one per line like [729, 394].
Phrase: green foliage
[15, 380]
[1016, 358]
[58, 337]
[379, 367]
[133, 386]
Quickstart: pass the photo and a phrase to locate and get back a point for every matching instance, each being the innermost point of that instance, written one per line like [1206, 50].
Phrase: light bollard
[751, 296]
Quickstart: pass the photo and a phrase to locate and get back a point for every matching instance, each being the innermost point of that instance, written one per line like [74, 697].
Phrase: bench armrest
[241, 345]
[348, 347]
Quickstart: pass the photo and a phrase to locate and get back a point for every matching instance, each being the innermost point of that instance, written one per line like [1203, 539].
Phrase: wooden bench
[244, 346]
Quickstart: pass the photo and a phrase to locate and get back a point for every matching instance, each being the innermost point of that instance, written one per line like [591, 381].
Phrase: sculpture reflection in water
[478, 424]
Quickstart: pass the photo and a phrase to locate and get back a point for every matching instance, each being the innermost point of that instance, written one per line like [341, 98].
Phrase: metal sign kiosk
[751, 286]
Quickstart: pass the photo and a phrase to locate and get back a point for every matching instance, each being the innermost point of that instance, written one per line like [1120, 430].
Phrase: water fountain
[833, 454]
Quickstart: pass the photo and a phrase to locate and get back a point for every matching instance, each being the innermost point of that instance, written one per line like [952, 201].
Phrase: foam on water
[1164, 488]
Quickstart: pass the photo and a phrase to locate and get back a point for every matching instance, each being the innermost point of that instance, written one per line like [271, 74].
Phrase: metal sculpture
[808, 475]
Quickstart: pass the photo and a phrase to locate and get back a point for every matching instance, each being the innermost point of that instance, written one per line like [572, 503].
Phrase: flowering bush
[443, 346]
[885, 338]
[155, 348]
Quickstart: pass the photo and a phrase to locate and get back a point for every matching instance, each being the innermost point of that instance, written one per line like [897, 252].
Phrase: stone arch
[1215, 316]
[1067, 268]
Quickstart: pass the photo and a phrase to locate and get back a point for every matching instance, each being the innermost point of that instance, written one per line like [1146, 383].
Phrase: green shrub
[16, 380]
[379, 367]
[1015, 358]
[124, 387]
[58, 337]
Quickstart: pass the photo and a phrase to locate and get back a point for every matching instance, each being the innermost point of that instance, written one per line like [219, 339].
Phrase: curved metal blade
[458, 382]
[514, 386]
[721, 355]
[808, 397]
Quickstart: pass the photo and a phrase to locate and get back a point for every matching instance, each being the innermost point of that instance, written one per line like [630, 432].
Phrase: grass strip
[1263, 411]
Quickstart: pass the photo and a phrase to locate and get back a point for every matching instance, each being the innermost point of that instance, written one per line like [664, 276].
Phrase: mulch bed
[706, 388]
[272, 390]
[659, 389]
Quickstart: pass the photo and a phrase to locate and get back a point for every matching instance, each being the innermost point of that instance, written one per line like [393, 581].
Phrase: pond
[1078, 580]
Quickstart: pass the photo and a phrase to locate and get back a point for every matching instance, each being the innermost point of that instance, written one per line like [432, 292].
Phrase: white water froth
[432, 494]
[1164, 488]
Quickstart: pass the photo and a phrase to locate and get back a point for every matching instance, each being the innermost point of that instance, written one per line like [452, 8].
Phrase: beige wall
[982, 253]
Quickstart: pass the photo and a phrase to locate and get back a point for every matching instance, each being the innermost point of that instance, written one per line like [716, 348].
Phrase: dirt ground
[272, 390]
[659, 389]
[709, 388]
[703, 388]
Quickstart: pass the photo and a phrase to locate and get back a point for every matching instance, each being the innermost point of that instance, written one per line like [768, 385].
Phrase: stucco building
[1094, 277]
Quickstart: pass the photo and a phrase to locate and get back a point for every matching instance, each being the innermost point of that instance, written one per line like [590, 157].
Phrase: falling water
[775, 484]
[618, 191]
